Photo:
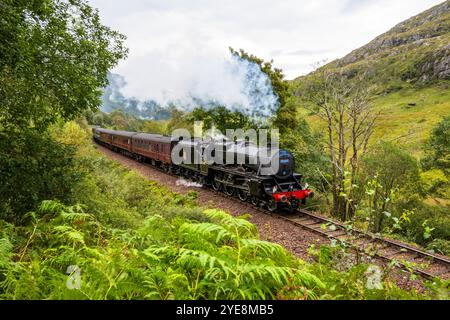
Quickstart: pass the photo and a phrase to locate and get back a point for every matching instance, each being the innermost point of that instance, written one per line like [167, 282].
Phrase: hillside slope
[409, 67]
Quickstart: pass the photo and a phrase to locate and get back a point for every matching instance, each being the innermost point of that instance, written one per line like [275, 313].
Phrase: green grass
[410, 125]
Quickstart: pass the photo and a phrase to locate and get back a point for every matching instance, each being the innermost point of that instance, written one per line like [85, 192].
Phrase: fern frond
[157, 253]
[70, 234]
[267, 248]
[308, 279]
[242, 226]
[5, 252]
[200, 259]
[264, 272]
[208, 230]
[50, 207]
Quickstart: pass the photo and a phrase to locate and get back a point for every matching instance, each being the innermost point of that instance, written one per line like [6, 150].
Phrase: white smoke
[183, 182]
[201, 79]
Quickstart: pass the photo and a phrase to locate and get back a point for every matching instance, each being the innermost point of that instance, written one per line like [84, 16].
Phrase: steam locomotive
[278, 187]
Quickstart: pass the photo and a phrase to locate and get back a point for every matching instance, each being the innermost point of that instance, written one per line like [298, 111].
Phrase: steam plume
[201, 79]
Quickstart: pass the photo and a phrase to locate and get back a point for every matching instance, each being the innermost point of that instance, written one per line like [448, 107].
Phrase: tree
[437, 148]
[343, 104]
[387, 172]
[286, 116]
[54, 58]
[178, 120]
[222, 118]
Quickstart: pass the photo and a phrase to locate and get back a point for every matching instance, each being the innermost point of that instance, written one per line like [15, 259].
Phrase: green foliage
[179, 120]
[387, 171]
[33, 168]
[438, 147]
[155, 126]
[201, 261]
[218, 117]
[440, 246]
[345, 279]
[221, 118]
[428, 224]
[392, 199]
[120, 120]
[54, 58]
[436, 184]
[166, 259]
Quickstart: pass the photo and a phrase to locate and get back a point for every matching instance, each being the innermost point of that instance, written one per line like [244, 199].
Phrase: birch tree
[342, 103]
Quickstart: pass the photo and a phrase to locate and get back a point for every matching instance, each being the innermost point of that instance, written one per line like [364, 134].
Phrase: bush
[424, 216]
[33, 168]
[440, 246]
[386, 172]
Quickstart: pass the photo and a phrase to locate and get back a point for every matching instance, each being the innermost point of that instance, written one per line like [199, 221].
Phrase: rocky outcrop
[415, 31]
[437, 66]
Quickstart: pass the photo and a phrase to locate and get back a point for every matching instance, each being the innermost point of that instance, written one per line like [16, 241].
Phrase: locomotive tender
[280, 189]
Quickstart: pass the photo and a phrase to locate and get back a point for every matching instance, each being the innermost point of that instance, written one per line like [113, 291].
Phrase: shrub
[33, 167]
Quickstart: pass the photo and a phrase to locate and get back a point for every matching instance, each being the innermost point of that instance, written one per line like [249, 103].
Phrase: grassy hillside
[408, 69]
[408, 115]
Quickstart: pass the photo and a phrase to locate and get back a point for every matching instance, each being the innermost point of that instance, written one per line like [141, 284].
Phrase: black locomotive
[250, 176]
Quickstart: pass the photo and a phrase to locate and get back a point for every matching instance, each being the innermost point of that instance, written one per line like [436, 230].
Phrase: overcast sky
[168, 36]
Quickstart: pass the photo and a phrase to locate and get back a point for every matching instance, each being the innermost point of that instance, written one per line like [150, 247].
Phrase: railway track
[404, 256]
[425, 264]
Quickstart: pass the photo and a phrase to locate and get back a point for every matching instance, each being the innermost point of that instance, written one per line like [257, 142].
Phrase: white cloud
[179, 45]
